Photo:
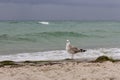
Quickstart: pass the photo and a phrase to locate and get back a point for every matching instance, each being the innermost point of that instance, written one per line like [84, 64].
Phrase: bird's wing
[75, 49]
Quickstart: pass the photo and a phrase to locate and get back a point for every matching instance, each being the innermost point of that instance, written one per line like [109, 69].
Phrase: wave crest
[43, 22]
[60, 34]
[43, 35]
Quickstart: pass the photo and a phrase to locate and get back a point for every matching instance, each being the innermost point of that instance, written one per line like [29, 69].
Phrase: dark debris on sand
[40, 63]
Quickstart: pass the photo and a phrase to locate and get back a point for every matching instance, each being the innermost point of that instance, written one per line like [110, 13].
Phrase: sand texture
[63, 71]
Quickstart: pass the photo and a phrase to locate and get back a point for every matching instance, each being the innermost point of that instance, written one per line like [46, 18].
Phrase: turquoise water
[34, 36]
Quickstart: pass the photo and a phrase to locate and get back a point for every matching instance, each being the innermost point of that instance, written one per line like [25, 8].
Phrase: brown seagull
[72, 50]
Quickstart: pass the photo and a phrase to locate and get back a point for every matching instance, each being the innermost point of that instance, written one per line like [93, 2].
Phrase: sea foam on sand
[90, 54]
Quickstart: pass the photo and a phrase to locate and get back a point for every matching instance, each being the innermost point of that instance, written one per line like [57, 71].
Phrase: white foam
[90, 54]
[43, 22]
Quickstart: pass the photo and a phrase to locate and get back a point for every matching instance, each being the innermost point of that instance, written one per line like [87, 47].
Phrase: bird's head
[68, 41]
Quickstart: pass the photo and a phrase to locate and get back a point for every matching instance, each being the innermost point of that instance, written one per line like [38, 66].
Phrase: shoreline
[90, 54]
[100, 59]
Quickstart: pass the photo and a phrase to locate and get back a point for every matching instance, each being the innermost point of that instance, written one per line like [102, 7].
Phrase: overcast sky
[59, 9]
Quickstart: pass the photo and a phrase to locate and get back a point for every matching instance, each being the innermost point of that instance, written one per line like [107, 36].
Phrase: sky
[59, 9]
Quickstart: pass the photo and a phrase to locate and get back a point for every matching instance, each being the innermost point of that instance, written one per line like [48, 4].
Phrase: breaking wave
[43, 22]
[89, 55]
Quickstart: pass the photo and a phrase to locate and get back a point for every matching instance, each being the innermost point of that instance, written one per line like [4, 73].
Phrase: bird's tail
[82, 50]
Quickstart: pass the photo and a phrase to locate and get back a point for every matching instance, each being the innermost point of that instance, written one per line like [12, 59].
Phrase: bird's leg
[72, 56]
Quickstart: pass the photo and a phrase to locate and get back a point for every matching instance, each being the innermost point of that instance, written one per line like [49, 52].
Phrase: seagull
[72, 50]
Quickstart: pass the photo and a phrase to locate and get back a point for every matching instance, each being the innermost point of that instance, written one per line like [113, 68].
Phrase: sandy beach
[63, 71]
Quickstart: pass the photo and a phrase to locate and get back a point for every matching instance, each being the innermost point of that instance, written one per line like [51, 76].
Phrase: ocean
[46, 40]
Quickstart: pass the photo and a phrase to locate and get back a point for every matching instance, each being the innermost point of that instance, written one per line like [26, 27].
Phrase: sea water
[45, 40]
